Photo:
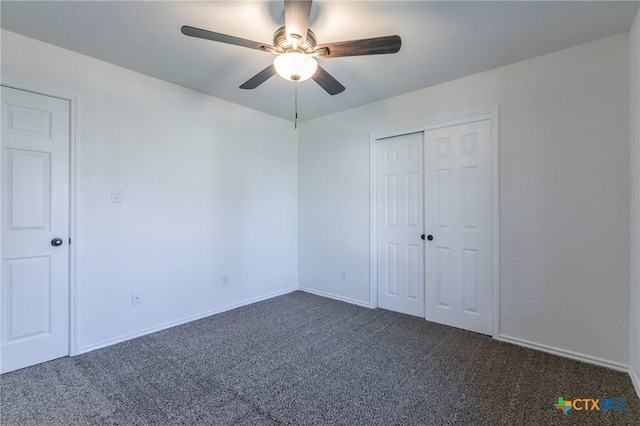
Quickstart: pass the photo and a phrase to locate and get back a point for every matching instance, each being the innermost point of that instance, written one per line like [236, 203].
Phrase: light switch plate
[116, 195]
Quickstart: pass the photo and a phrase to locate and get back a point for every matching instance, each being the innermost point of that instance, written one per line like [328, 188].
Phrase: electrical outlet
[136, 298]
[225, 280]
[343, 274]
[116, 195]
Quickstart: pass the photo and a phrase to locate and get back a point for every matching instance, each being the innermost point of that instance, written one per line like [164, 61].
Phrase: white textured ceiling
[441, 41]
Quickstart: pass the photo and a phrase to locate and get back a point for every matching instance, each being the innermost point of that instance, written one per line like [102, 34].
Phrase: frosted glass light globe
[295, 66]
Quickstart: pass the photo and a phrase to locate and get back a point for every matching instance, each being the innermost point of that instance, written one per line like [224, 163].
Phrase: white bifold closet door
[458, 214]
[400, 224]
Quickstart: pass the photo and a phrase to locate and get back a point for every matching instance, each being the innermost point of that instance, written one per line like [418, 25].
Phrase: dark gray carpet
[301, 359]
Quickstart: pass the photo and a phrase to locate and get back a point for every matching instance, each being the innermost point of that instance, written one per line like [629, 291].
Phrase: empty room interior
[327, 212]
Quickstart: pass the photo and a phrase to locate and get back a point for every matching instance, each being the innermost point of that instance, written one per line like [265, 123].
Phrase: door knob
[430, 237]
[422, 236]
[56, 242]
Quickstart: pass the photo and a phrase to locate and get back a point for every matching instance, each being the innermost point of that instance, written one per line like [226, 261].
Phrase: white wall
[209, 189]
[564, 182]
[634, 114]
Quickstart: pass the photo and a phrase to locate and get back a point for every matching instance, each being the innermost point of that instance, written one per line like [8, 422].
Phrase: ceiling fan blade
[296, 18]
[259, 78]
[223, 38]
[368, 46]
[327, 82]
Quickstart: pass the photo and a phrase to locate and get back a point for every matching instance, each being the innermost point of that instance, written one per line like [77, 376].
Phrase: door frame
[493, 115]
[73, 202]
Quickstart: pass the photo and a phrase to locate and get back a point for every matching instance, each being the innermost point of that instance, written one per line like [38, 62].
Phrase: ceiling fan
[297, 49]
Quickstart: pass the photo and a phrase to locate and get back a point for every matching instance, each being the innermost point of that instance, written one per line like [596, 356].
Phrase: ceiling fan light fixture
[295, 66]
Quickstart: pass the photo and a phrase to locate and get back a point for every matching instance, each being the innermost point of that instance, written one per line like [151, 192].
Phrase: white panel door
[35, 211]
[400, 224]
[458, 215]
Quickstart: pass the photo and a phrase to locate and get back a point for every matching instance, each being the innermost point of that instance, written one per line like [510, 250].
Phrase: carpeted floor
[301, 359]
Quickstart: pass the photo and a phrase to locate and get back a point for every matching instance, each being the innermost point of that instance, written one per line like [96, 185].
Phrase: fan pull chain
[295, 125]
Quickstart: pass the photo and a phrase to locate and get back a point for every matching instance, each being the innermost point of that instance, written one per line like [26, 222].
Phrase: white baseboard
[635, 380]
[333, 296]
[184, 320]
[565, 353]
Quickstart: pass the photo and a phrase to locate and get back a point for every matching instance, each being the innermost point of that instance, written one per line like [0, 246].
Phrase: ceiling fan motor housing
[283, 44]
